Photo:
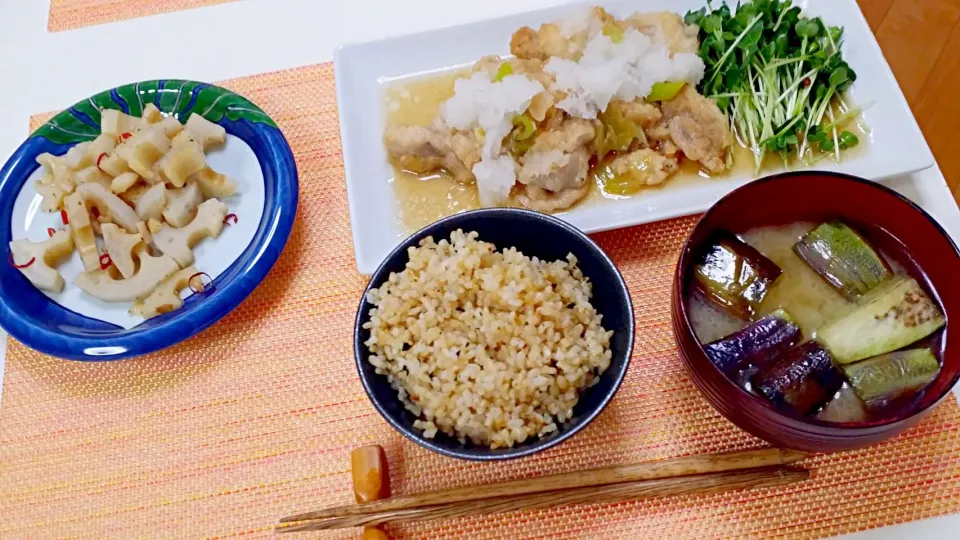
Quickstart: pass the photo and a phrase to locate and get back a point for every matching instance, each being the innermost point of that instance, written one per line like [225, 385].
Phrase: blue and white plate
[77, 326]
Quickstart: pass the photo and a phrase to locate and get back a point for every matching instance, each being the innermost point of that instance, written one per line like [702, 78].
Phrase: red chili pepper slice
[105, 261]
[64, 218]
[20, 266]
[227, 219]
[99, 159]
[204, 288]
[51, 231]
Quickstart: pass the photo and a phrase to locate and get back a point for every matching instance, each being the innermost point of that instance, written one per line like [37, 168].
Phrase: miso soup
[824, 321]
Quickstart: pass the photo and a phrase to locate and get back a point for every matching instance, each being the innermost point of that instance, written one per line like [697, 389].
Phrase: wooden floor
[921, 40]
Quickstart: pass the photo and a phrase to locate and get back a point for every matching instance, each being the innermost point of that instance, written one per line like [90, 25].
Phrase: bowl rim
[780, 418]
[532, 446]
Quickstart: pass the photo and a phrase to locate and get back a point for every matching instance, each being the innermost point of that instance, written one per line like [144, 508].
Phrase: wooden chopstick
[682, 466]
[661, 487]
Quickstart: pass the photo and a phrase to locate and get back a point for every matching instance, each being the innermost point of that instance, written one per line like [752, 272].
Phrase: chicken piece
[667, 28]
[541, 200]
[540, 106]
[465, 147]
[543, 43]
[559, 158]
[426, 149]
[415, 148]
[488, 64]
[534, 70]
[697, 143]
[698, 128]
[639, 112]
[531, 67]
[646, 166]
[554, 170]
[570, 135]
[668, 148]
[563, 39]
[658, 137]
[554, 119]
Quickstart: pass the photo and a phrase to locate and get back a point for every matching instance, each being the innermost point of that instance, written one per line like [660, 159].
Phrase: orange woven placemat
[254, 419]
[70, 14]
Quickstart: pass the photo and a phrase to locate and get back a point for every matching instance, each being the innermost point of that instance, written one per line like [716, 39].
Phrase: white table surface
[42, 71]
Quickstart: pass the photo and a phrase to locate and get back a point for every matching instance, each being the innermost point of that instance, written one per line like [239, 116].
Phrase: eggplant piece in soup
[887, 377]
[803, 381]
[735, 276]
[757, 345]
[895, 315]
[843, 258]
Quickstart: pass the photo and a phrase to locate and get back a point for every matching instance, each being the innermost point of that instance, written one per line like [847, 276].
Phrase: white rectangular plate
[896, 147]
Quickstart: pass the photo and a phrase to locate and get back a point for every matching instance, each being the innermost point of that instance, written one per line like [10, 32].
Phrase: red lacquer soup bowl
[904, 231]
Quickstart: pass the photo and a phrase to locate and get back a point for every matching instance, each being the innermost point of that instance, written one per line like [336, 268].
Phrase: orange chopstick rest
[370, 480]
[373, 533]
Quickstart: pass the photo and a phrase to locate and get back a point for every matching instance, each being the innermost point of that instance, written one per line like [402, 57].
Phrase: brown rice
[491, 347]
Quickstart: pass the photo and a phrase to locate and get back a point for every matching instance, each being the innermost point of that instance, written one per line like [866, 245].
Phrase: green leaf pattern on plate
[182, 98]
